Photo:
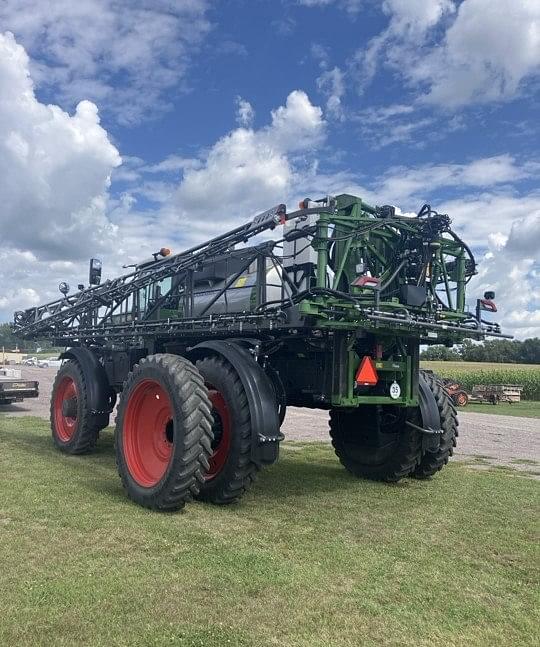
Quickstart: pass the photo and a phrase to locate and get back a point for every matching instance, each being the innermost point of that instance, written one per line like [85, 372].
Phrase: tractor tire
[460, 399]
[163, 432]
[432, 462]
[375, 443]
[231, 472]
[75, 428]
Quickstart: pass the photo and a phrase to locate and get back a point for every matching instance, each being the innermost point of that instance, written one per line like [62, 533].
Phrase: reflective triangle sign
[366, 375]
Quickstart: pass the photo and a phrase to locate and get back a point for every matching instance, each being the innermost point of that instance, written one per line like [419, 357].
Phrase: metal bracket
[430, 432]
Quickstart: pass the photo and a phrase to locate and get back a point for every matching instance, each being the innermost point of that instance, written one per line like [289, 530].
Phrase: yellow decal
[241, 282]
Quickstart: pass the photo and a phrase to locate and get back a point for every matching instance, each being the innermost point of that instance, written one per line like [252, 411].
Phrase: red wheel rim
[65, 425]
[222, 433]
[148, 433]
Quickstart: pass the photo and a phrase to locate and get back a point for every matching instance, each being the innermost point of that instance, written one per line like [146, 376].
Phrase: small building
[11, 356]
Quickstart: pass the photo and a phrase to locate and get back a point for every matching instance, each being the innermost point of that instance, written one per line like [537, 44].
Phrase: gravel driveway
[490, 438]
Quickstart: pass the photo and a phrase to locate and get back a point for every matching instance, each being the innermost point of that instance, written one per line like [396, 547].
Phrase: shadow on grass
[296, 474]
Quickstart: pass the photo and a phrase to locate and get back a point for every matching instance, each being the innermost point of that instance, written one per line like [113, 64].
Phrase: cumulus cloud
[54, 176]
[121, 54]
[465, 66]
[512, 269]
[469, 67]
[248, 168]
[54, 167]
[244, 112]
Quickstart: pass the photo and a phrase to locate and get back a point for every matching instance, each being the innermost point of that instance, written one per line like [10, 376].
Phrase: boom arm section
[345, 266]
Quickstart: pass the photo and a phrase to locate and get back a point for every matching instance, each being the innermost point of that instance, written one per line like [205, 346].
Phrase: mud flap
[101, 397]
[260, 394]
[431, 418]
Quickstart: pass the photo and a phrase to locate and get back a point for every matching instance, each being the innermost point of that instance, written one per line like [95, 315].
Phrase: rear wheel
[374, 442]
[231, 471]
[74, 426]
[432, 462]
[163, 432]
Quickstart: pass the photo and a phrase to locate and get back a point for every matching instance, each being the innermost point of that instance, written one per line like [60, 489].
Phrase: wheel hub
[148, 433]
[65, 409]
[222, 433]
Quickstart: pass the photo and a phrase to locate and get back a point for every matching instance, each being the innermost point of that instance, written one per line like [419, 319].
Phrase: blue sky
[127, 125]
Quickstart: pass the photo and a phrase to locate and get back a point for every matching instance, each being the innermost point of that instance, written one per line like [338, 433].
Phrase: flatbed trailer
[495, 393]
[207, 348]
[15, 389]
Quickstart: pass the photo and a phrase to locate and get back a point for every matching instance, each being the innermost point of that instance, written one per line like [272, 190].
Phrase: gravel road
[500, 440]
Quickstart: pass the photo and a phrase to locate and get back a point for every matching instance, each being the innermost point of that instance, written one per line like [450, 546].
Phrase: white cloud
[332, 84]
[244, 112]
[487, 218]
[54, 167]
[415, 17]
[18, 298]
[122, 54]
[403, 183]
[54, 176]
[172, 164]
[512, 270]
[248, 170]
[409, 22]
[486, 53]
[352, 6]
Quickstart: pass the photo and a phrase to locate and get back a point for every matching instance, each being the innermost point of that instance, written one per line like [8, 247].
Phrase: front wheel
[163, 432]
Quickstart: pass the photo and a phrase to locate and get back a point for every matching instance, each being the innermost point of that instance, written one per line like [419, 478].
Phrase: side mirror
[94, 277]
[64, 288]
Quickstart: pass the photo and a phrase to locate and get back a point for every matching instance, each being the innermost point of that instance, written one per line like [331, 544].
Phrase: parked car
[30, 361]
[46, 363]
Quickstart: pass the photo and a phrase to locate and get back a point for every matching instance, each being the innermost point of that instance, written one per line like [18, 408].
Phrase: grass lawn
[311, 556]
[525, 408]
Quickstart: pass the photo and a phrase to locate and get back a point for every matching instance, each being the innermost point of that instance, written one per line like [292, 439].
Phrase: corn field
[471, 373]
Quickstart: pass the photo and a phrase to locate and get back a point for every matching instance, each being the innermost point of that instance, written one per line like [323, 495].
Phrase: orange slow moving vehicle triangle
[366, 375]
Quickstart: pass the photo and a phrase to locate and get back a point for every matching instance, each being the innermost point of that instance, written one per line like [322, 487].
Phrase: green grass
[525, 409]
[311, 557]
[471, 373]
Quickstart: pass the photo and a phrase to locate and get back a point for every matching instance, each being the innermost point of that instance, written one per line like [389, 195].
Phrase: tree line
[10, 341]
[501, 351]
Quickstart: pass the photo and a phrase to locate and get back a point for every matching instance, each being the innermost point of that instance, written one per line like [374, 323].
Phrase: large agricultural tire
[75, 428]
[163, 432]
[432, 462]
[388, 451]
[231, 472]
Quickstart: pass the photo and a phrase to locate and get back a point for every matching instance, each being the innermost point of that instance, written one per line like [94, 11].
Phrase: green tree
[530, 351]
[440, 353]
